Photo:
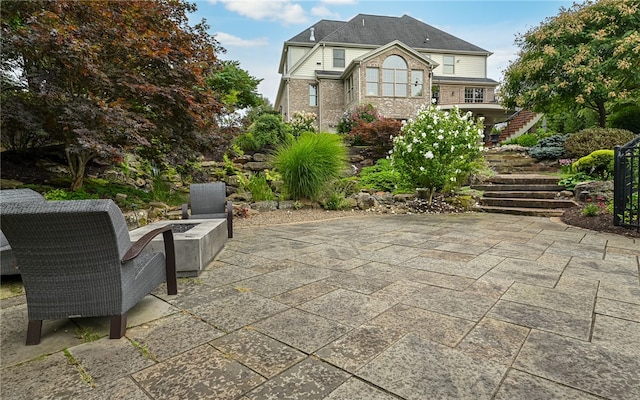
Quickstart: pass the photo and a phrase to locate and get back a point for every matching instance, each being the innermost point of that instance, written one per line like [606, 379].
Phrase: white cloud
[284, 11]
[324, 12]
[227, 40]
[339, 2]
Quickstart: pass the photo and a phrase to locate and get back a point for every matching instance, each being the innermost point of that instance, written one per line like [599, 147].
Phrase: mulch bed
[601, 223]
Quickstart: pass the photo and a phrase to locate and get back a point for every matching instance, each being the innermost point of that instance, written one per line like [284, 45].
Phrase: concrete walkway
[474, 306]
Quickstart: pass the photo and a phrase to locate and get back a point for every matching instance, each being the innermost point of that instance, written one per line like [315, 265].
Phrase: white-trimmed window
[394, 77]
[313, 95]
[338, 58]
[417, 82]
[473, 95]
[350, 93]
[448, 65]
[373, 76]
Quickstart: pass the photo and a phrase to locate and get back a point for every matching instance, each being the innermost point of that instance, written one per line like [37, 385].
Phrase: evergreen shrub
[599, 164]
[587, 141]
[551, 148]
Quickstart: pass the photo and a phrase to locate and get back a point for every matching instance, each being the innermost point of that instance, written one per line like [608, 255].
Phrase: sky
[253, 32]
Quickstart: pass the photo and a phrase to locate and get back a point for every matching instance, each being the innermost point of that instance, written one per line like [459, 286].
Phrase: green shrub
[267, 131]
[598, 164]
[590, 210]
[628, 118]
[571, 181]
[259, 188]
[336, 201]
[589, 140]
[309, 163]
[550, 148]
[246, 142]
[524, 140]
[381, 177]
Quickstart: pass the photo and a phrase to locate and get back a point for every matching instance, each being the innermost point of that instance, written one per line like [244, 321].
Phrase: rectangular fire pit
[197, 242]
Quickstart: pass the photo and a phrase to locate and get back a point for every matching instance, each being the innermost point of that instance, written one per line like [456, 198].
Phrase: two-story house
[395, 63]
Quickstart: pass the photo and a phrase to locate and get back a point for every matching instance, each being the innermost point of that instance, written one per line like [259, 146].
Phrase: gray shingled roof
[380, 30]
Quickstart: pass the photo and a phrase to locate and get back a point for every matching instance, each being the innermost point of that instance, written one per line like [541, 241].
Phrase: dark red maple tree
[108, 77]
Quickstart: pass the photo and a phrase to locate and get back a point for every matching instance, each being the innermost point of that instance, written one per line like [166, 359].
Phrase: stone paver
[414, 366]
[379, 307]
[595, 369]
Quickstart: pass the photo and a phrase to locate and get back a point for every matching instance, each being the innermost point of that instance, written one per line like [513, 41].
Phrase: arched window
[394, 77]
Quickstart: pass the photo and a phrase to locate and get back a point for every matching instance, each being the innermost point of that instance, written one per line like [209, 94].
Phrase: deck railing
[626, 185]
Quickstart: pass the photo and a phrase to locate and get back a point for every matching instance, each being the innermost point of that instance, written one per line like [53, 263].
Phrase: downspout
[360, 81]
[288, 100]
[319, 100]
[430, 84]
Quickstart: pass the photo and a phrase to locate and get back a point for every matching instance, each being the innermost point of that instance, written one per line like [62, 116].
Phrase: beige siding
[322, 59]
[465, 65]
[295, 54]
[309, 66]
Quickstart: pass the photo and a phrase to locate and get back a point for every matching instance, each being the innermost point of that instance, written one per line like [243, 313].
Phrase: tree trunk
[77, 159]
[602, 115]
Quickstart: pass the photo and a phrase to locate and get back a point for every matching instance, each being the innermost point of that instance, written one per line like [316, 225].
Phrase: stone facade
[331, 103]
[396, 107]
[299, 97]
[332, 94]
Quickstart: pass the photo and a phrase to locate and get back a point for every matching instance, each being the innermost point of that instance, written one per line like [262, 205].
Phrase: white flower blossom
[436, 145]
[452, 148]
[421, 168]
[440, 137]
[452, 179]
[428, 155]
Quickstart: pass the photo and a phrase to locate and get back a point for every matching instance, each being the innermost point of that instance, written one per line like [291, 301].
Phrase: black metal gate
[626, 185]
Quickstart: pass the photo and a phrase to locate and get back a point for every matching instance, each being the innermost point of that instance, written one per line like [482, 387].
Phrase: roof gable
[397, 44]
[375, 30]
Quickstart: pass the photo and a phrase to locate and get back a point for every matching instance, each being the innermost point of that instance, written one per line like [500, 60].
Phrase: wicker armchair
[209, 200]
[77, 260]
[8, 264]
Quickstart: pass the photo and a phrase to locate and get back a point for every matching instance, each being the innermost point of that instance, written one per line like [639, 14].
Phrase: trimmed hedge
[587, 141]
[598, 164]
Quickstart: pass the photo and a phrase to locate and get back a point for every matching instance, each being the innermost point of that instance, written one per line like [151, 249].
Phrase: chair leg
[170, 263]
[118, 326]
[34, 330]
[229, 219]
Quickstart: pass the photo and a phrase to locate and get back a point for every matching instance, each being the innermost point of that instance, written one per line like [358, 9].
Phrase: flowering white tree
[437, 148]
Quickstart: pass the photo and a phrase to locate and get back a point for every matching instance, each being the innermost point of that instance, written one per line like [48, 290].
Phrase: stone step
[521, 194]
[517, 188]
[527, 203]
[538, 212]
[523, 179]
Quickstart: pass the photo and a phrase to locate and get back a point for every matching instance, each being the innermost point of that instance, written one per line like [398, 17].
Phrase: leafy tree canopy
[108, 77]
[237, 88]
[588, 54]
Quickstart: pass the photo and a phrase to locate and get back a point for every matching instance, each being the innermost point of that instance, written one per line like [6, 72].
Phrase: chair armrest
[169, 251]
[141, 243]
[230, 219]
[185, 211]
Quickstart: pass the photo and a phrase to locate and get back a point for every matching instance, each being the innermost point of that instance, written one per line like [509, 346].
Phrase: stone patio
[473, 306]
